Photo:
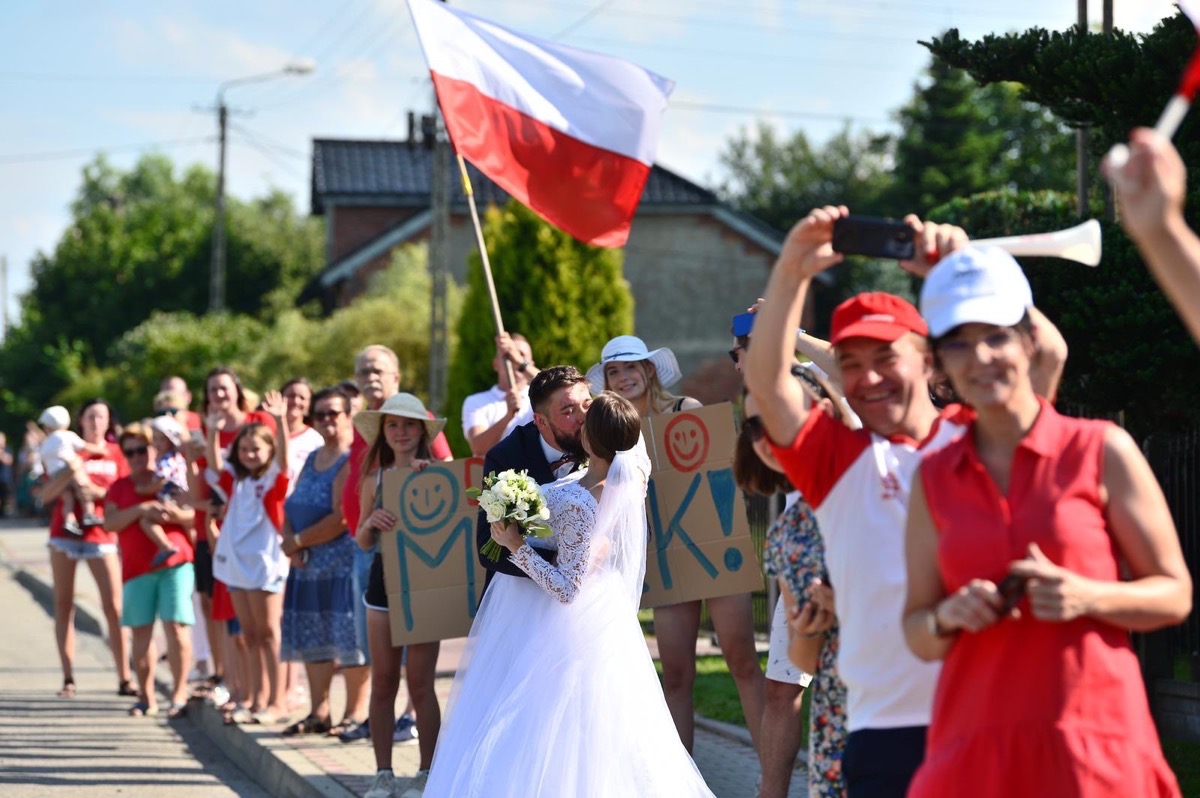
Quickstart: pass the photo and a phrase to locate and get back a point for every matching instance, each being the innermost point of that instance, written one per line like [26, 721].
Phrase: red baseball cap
[876, 315]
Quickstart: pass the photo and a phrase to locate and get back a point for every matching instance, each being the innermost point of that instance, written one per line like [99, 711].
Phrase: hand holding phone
[873, 237]
[1012, 589]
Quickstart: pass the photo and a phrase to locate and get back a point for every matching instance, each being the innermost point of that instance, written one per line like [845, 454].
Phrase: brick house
[691, 260]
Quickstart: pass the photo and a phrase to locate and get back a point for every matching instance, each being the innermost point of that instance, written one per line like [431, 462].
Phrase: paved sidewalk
[318, 766]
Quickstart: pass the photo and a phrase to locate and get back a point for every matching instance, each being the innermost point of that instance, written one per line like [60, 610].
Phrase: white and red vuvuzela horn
[1080, 243]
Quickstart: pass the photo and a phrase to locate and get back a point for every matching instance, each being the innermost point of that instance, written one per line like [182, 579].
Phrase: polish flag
[570, 133]
[1191, 77]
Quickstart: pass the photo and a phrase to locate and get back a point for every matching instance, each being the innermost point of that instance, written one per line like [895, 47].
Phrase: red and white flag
[1190, 83]
[570, 133]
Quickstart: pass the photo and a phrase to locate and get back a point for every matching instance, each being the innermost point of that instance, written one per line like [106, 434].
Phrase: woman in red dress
[1035, 544]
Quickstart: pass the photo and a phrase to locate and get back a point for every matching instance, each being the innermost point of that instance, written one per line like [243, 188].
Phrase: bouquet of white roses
[512, 496]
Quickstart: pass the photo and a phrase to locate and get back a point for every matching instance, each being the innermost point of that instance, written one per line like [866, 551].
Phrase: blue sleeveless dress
[319, 602]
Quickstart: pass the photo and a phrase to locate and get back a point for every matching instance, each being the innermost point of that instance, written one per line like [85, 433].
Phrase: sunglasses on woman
[136, 451]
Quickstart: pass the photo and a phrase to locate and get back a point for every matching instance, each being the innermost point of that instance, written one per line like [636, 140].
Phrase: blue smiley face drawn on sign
[428, 500]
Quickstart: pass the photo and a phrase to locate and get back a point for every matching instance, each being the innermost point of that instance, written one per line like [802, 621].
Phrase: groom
[547, 447]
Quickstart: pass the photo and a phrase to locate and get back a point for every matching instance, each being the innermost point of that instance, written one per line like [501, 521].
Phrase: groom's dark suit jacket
[521, 450]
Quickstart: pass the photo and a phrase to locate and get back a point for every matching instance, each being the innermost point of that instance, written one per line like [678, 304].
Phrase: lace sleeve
[573, 530]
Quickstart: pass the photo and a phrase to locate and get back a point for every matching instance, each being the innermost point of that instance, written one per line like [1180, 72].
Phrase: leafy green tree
[139, 243]
[958, 138]
[779, 179]
[566, 297]
[394, 311]
[1128, 352]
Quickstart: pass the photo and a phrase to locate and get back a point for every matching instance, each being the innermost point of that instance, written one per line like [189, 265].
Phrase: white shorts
[779, 667]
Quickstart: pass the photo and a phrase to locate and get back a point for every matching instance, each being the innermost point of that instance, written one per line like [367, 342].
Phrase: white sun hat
[627, 348]
[369, 422]
[983, 285]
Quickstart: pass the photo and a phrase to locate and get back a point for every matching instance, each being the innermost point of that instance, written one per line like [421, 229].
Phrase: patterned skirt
[319, 607]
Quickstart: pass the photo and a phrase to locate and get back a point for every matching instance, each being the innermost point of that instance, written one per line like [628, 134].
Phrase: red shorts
[222, 604]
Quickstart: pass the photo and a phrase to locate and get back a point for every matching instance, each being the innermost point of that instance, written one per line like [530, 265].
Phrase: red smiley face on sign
[686, 439]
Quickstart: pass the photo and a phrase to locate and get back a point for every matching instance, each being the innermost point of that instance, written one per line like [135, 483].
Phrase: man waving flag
[570, 133]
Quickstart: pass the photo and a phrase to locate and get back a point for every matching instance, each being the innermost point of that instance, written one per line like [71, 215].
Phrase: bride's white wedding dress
[557, 696]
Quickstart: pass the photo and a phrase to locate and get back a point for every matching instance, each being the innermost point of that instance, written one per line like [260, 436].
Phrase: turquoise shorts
[164, 594]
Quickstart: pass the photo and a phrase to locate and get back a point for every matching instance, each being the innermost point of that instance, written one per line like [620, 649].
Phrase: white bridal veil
[621, 520]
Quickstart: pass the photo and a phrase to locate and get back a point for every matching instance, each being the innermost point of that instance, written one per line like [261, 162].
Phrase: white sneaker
[416, 787]
[383, 786]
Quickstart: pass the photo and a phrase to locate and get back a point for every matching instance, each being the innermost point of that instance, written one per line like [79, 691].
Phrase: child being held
[171, 470]
[59, 452]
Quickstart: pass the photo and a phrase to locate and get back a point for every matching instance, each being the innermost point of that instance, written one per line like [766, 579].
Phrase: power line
[55, 155]
[683, 105]
[584, 19]
[62, 77]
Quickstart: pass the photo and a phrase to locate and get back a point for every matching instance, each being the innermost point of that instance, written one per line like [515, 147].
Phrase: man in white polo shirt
[489, 416]
[858, 483]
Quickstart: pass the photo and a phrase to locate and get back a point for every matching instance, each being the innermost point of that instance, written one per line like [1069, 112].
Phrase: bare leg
[252, 673]
[675, 628]
[157, 535]
[358, 691]
[144, 657]
[217, 636]
[421, 670]
[106, 571]
[179, 654]
[62, 569]
[237, 663]
[733, 620]
[385, 683]
[320, 675]
[779, 738]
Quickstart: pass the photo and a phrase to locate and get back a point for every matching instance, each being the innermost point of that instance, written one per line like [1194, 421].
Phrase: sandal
[143, 710]
[126, 689]
[68, 689]
[176, 711]
[341, 726]
[238, 715]
[309, 725]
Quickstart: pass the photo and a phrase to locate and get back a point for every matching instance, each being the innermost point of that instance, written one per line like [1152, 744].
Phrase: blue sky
[83, 76]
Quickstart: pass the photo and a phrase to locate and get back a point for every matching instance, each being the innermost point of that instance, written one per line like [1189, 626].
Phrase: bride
[557, 695]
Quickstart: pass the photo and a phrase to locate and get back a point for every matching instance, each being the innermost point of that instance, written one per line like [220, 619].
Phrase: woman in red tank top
[1016, 538]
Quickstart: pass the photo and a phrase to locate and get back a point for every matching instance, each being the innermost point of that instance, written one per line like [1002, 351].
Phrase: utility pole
[4, 295]
[216, 285]
[1081, 136]
[1110, 206]
[439, 235]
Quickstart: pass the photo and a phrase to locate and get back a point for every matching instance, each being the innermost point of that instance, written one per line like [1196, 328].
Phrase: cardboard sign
[430, 563]
[700, 544]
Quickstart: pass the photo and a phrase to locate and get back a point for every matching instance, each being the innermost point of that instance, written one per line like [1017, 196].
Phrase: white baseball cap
[982, 285]
[55, 417]
[169, 427]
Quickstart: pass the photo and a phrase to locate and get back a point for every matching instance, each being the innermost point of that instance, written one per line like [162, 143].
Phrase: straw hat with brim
[369, 422]
[631, 348]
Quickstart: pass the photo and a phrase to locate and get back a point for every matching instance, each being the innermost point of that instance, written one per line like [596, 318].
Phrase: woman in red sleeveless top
[1019, 536]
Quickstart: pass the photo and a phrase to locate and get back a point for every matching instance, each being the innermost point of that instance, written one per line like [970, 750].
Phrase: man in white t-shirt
[489, 416]
[858, 481]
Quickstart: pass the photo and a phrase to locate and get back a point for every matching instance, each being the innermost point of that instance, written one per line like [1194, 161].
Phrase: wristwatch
[931, 623]
[524, 366]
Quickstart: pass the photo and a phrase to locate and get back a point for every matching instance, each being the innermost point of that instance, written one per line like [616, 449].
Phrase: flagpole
[487, 264]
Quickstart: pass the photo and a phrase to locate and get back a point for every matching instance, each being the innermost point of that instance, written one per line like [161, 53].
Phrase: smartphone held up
[873, 237]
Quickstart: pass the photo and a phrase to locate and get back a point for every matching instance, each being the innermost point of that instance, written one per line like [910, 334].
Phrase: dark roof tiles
[398, 172]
